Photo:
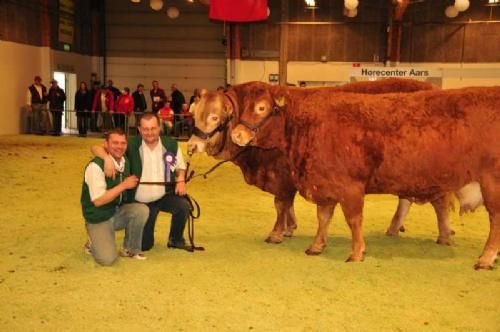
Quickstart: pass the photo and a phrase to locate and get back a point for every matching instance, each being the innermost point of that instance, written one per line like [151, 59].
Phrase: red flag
[238, 10]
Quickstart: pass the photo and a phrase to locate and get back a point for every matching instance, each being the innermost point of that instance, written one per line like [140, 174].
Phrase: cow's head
[212, 115]
[260, 118]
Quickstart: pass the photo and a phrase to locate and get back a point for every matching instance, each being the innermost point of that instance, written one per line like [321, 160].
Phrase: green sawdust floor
[240, 282]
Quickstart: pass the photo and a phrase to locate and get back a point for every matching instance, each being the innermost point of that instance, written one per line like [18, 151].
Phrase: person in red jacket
[124, 107]
[166, 115]
[104, 103]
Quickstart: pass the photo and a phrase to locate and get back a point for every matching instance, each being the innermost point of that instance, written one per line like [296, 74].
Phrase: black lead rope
[213, 168]
[195, 210]
[194, 213]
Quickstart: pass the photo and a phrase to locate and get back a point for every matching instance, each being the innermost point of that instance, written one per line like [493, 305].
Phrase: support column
[283, 63]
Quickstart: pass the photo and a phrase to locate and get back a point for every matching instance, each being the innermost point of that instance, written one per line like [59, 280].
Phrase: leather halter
[203, 135]
[254, 127]
[220, 128]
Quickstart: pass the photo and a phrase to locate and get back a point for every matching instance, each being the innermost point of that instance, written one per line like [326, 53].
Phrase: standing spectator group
[103, 107]
[43, 122]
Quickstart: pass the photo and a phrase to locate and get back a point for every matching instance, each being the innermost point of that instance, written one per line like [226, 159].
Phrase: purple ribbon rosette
[169, 160]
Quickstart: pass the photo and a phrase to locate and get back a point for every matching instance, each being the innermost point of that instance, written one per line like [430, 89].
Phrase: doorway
[67, 82]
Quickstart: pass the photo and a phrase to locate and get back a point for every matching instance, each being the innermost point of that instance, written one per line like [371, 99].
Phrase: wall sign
[401, 72]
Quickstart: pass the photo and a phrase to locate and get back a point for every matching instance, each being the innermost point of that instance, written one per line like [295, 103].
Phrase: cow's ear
[230, 102]
[280, 95]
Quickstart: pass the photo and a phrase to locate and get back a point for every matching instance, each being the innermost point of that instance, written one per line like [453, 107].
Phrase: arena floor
[239, 283]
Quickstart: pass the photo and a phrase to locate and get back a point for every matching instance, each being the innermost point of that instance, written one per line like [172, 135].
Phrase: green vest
[134, 156]
[95, 215]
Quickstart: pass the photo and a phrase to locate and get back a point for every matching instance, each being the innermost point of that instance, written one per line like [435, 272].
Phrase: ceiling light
[462, 5]
[156, 4]
[451, 12]
[310, 3]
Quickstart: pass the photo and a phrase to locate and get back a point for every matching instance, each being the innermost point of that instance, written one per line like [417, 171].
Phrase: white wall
[188, 74]
[455, 75]
[19, 63]
[244, 71]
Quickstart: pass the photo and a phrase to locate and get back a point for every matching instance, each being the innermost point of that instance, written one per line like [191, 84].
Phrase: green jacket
[134, 156]
[95, 215]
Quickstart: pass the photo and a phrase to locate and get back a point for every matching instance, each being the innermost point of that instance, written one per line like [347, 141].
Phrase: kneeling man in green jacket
[106, 206]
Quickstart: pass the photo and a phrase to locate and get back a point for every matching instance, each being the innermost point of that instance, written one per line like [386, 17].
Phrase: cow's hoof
[274, 238]
[391, 233]
[402, 229]
[443, 242]
[313, 252]
[482, 266]
[352, 258]
[288, 232]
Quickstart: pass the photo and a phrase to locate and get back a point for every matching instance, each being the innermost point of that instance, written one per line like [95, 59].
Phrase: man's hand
[180, 188]
[130, 182]
[109, 167]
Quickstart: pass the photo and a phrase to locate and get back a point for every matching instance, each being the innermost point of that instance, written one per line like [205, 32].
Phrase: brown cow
[416, 145]
[268, 169]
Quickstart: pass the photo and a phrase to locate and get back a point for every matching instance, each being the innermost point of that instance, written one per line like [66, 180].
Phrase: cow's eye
[261, 109]
[214, 118]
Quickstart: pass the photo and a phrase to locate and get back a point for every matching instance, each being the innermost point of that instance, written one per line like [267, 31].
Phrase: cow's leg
[441, 207]
[282, 207]
[489, 187]
[398, 218]
[325, 213]
[352, 206]
[291, 221]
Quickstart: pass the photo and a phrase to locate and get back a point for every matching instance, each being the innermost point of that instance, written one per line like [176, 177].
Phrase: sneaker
[86, 247]
[126, 253]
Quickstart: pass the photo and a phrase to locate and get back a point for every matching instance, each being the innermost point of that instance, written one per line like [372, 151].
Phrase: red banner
[238, 10]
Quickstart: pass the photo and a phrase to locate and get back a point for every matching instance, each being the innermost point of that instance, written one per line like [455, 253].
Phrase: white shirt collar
[144, 145]
[119, 166]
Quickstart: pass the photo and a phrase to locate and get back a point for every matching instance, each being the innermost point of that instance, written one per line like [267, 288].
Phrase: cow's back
[410, 144]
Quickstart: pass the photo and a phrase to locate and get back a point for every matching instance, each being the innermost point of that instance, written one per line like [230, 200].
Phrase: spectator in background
[193, 105]
[94, 116]
[302, 84]
[158, 97]
[116, 92]
[56, 98]
[177, 99]
[124, 107]
[140, 104]
[83, 105]
[166, 115]
[104, 103]
[36, 101]
[196, 93]
[187, 121]
[220, 88]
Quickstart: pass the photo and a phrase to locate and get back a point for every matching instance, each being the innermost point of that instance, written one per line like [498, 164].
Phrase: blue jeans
[130, 217]
[179, 207]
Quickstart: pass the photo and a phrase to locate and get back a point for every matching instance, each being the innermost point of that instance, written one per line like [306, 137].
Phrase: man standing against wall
[115, 91]
[158, 97]
[36, 101]
[56, 98]
[177, 99]
[94, 116]
[139, 102]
